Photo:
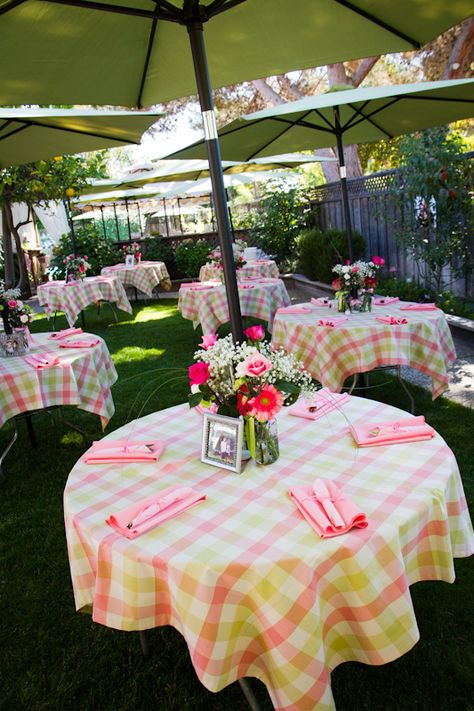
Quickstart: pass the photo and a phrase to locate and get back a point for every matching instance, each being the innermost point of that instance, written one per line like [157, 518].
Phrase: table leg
[144, 643]
[249, 695]
[83, 320]
[31, 432]
[9, 445]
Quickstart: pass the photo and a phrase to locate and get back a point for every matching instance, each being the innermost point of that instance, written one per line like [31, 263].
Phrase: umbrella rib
[288, 125]
[377, 21]
[119, 9]
[453, 99]
[368, 117]
[85, 132]
[15, 130]
[11, 6]
[218, 6]
[151, 41]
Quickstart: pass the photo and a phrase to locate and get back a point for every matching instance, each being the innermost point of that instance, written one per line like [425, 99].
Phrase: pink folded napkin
[46, 360]
[384, 300]
[413, 429]
[190, 284]
[392, 320]
[65, 333]
[322, 301]
[332, 322]
[419, 307]
[123, 450]
[245, 286]
[294, 310]
[321, 404]
[326, 509]
[149, 513]
[201, 287]
[67, 343]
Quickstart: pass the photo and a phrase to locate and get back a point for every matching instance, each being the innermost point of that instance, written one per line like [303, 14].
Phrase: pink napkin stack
[384, 300]
[123, 450]
[67, 343]
[323, 402]
[294, 310]
[419, 307]
[392, 320]
[326, 509]
[413, 429]
[65, 333]
[332, 322]
[149, 513]
[322, 301]
[46, 360]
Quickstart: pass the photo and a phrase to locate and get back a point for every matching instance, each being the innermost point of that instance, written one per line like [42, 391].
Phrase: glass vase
[14, 344]
[266, 442]
[343, 301]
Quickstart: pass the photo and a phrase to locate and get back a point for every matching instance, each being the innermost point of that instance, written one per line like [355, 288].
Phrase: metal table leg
[9, 445]
[144, 643]
[249, 695]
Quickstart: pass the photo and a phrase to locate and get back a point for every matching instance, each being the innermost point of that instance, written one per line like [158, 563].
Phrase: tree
[58, 178]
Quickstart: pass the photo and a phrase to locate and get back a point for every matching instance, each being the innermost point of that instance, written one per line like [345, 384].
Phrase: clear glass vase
[266, 442]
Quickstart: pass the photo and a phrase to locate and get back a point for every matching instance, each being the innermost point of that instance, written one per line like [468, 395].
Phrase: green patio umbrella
[136, 52]
[351, 116]
[29, 135]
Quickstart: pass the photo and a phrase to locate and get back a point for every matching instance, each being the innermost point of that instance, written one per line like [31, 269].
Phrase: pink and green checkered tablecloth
[244, 578]
[362, 343]
[74, 297]
[144, 276]
[83, 378]
[209, 307]
[259, 268]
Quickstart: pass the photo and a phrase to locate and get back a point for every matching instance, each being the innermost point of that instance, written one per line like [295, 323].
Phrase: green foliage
[319, 251]
[156, 250]
[89, 241]
[410, 291]
[278, 223]
[433, 205]
[191, 256]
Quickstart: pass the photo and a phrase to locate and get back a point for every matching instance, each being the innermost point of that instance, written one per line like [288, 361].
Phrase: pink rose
[82, 268]
[355, 269]
[255, 333]
[208, 340]
[12, 303]
[86, 257]
[198, 373]
[378, 261]
[256, 365]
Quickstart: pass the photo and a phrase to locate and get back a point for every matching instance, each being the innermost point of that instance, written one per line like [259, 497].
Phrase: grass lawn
[55, 658]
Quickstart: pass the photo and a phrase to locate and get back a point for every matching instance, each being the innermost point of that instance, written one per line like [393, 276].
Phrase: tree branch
[461, 52]
[363, 68]
[267, 92]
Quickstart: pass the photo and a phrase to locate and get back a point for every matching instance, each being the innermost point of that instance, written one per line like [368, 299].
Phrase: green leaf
[287, 387]
[194, 399]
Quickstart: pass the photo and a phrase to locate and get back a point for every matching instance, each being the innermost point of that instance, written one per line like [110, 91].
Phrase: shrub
[410, 291]
[191, 256]
[319, 251]
[90, 241]
[156, 250]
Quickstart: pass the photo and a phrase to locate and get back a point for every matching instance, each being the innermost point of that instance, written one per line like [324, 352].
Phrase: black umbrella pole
[198, 50]
[71, 225]
[345, 194]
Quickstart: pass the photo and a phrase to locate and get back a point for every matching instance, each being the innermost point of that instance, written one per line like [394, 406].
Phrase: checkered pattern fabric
[268, 268]
[244, 578]
[71, 299]
[143, 276]
[209, 307]
[83, 378]
[362, 343]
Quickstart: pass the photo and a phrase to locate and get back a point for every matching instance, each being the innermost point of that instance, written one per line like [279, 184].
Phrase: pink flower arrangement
[76, 266]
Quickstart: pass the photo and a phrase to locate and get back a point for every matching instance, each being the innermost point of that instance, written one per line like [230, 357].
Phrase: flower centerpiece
[15, 316]
[251, 380]
[215, 257]
[354, 280]
[132, 248]
[76, 267]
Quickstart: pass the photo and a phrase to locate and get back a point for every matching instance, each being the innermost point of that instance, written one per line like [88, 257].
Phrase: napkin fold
[149, 513]
[190, 284]
[294, 310]
[419, 307]
[412, 429]
[384, 300]
[46, 360]
[65, 333]
[67, 343]
[322, 301]
[201, 287]
[321, 404]
[332, 322]
[392, 320]
[123, 450]
[328, 511]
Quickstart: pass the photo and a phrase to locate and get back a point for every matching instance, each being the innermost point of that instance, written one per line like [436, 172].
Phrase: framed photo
[129, 260]
[222, 441]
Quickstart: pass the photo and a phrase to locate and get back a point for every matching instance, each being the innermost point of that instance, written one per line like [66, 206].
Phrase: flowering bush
[76, 266]
[15, 314]
[359, 274]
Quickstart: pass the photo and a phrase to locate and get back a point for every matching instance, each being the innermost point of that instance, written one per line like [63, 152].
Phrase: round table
[362, 342]
[74, 297]
[144, 276]
[255, 268]
[243, 577]
[206, 303]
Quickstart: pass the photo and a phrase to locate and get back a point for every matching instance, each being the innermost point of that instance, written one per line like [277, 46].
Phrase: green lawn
[55, 658]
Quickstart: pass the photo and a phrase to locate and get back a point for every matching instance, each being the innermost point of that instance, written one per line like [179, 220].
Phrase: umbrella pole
[196, 37]
[166, 218]
[128, 221]
[230, 215]
[103, 221]
[140, 219]
[179, 217]
[343, 179]
[116, 222]
[71, 225]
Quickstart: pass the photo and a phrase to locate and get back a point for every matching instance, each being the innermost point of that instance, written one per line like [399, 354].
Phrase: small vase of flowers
[76, 267]
[251, 380]
[356, 282]
[15, 316]
[132, 249]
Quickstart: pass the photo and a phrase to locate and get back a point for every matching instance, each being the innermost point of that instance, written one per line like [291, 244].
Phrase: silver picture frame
[222, 439]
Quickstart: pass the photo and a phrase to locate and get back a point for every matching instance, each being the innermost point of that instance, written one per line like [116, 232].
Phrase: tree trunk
[9, 264]
[23, 282]
[462, 51]
[337, 76]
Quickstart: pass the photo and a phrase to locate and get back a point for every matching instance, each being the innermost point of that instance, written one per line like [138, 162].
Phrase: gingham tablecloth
[73, 298]
[83, 378]
[244, 578]
[143, 276]
[209, 307]
[263, 268]
[362, 343]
